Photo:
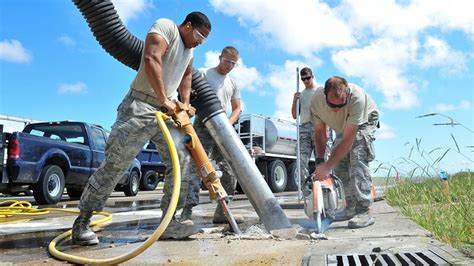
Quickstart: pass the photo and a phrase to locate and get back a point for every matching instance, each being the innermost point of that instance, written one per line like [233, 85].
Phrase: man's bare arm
[322, 171]
[320, 139]
[343, 147]
[155, 48]
[236, 109]
[185, 85]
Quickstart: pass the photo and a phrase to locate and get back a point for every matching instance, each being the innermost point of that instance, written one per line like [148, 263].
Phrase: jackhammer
[210, 177]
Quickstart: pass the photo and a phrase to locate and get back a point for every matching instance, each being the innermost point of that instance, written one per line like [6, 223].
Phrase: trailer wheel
[277, 176]
[131, 189]
[149, 180]
[293, 177]
[50, 186]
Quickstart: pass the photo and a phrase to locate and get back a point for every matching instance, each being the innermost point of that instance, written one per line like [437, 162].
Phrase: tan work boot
[81, 232]
[178, 230]
[345, 214]
[361, 220]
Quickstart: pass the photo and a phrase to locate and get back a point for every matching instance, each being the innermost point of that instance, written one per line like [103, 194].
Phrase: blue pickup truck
[48, 157]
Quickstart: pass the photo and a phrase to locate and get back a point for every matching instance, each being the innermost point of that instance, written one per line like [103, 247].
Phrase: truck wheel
[293, 177]
[74, 193]
[149, 180]
[131, 189]
[277, 177]
[50, 186]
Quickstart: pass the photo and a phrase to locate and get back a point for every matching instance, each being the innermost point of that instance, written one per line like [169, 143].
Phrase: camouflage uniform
[354, 169]
[228, 180]
[135, 125]
[306, 148]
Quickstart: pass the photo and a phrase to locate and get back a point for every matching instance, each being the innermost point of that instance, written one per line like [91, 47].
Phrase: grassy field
[447, 213]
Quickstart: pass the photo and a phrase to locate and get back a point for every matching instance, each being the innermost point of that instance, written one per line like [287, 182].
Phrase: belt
[145, 98]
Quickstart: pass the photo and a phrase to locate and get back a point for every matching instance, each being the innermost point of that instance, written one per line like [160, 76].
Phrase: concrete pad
[130, 226]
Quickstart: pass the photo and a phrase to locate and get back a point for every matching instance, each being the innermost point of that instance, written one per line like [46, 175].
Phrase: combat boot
[361, 220]
[81, 232]
[220, 218]
[187, 214]
[179, 230]
[345, 214]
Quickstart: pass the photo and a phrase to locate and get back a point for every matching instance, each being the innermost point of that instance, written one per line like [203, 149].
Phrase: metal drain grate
[389, 259]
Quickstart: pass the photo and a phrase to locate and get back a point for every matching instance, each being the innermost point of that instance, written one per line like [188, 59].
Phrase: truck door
[98, 140]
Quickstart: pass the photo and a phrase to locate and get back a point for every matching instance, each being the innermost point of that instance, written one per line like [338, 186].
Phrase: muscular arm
[236, 109]
[338, 153]
[155, 48]
[293, 106]
[341, 150]
[320, 139]
[185, 85]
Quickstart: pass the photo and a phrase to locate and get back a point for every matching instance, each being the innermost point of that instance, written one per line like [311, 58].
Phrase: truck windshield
[69, 133]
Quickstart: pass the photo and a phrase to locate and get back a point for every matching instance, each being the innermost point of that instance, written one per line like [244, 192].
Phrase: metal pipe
[298, 149]
[247, 173]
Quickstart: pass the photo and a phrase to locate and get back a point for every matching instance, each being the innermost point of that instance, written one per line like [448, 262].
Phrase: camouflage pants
[135, 125]
[354, 171]
[306, 148]
[228, 180]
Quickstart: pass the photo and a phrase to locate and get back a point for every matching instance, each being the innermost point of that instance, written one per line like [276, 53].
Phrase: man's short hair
[230, 50]
[336, 84]
[197, 20]
[306, 71]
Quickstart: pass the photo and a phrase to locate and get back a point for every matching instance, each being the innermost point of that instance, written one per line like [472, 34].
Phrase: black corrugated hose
[110, 32]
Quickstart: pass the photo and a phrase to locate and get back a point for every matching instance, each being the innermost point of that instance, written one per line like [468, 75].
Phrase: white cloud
[247, 78]
[130, 9]
[67, 41]
[283, 80]
[74, 88]
[438, 53]
[297, 27]
[390, 18]
[13, 51]
[385, 132]
[444, 107]
[381, 64]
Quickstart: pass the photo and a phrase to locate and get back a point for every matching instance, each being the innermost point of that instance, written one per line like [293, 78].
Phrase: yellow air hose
[160, 117]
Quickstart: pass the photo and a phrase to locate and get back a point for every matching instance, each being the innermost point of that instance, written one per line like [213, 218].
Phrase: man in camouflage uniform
[229, 96]
[352, 113]
[165, 68]
[306, 127]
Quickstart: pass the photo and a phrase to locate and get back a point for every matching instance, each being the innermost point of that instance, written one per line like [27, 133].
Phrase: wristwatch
[319, 161]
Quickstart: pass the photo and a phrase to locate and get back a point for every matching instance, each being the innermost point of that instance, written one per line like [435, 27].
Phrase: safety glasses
[198, 36]
[229, 62]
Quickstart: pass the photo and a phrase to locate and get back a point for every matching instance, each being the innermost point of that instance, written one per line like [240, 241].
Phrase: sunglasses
[333, 105]
[306, 78]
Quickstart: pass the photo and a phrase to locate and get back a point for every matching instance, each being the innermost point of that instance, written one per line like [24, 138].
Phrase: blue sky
[413, 57]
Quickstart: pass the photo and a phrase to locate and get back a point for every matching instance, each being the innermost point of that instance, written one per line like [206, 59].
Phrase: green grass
[448, 217]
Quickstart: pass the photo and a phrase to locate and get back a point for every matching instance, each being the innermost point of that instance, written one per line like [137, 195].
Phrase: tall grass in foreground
[417, 189]
[448, 216]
